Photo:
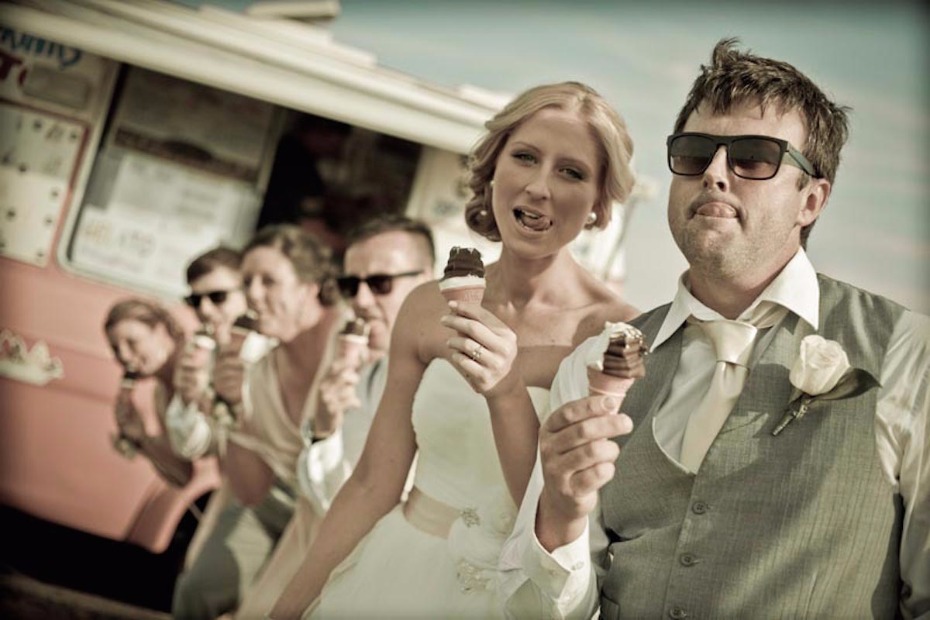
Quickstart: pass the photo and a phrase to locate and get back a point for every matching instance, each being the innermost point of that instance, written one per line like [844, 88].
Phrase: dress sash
[428, 514]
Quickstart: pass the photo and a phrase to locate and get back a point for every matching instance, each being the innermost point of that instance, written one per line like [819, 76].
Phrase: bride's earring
[591, 220]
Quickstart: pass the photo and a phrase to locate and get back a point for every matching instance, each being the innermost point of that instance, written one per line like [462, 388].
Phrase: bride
[466, 382]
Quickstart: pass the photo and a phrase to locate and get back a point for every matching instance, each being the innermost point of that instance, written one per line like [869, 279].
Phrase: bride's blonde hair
[607, 127]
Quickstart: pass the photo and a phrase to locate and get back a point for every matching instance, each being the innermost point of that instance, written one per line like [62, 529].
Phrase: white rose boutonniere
[822, 372]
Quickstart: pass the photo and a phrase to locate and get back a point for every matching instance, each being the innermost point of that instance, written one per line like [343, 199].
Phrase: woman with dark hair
[286, 277]
[466, 381]
[147, 342]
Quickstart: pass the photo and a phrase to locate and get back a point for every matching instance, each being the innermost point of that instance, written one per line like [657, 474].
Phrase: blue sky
[643, 56]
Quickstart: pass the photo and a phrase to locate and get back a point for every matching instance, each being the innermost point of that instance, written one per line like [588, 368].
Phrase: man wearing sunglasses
[217, 298]
[385, 259]
[690, 505]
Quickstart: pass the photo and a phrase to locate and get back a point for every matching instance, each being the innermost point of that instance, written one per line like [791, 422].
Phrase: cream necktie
[733, 344]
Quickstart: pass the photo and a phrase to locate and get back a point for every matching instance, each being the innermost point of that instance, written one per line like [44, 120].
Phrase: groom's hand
[577, 457]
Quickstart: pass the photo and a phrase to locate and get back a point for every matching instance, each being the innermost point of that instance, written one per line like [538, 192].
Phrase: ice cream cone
[352, 349]
[128, 381]
[201, 347]
[241, 329]
[600, 383]
[463, 276]
[352, 342]
[468, 289]
[622, 359]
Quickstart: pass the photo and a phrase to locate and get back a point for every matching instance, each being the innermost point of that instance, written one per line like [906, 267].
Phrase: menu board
[201, 127]
[179, 173]
[158, 216]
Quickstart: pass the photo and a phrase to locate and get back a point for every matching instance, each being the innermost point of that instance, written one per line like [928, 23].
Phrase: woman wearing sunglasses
[466, 382]
[146, 341]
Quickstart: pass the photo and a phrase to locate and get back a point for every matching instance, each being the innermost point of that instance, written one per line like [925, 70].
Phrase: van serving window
[183, 167]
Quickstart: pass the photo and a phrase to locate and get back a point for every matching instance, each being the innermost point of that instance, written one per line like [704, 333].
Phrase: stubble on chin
[712, 257]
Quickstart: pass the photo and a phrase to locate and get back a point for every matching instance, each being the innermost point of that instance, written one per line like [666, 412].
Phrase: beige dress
[270, 432]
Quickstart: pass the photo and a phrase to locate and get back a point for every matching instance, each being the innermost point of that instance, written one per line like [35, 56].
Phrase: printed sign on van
[53, 76]
[157, 217]
[52, 98]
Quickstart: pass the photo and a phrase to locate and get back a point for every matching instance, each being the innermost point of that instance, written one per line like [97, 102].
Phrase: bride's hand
[484, 349]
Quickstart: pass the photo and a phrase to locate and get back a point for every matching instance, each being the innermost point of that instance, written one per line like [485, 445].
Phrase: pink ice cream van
[135, 136]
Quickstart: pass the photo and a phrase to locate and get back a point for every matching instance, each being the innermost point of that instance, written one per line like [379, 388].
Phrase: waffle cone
[600, 383]
[352, 349]
[470, 294]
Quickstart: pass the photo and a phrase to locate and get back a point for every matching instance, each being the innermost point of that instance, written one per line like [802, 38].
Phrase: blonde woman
[466, 382]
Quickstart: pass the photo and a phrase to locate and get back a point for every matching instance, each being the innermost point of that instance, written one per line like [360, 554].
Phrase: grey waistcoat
[802, 525]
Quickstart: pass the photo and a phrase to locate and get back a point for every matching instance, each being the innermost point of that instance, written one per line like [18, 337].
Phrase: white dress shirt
[564, 584]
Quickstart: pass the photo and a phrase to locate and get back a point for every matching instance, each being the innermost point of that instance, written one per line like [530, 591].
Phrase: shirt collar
[795, 288]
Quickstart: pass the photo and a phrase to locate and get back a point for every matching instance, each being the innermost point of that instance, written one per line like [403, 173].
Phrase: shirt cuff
[562, 574]
[321, 470]
[325, 454]
[189, 433]
[537, 584]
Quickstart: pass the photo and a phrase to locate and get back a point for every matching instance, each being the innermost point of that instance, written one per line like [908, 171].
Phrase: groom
[708, 510]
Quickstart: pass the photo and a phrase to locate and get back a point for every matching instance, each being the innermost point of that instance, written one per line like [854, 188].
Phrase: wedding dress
[436, 555]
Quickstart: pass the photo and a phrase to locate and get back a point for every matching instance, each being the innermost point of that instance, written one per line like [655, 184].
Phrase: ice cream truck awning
[289, 63]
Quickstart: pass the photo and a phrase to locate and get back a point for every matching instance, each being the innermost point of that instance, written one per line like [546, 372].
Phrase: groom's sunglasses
[749, 157]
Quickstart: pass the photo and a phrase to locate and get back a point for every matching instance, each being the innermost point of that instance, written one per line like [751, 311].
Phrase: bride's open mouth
[536, 222]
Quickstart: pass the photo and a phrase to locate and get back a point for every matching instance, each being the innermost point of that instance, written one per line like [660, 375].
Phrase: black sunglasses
[379, 283]
[749, 157]
[216, 298]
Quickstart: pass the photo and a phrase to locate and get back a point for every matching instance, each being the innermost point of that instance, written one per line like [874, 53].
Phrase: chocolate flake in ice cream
[463, 276]
[624, 354]
[463, 262]
[622, 362]
[244, 325]
[131, 376]
[247, 321]
[355, 327]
